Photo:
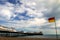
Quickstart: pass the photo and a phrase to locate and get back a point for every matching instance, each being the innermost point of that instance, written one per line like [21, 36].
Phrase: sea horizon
[40, 36]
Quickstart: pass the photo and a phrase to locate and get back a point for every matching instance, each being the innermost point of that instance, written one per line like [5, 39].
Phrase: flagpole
[56, 30]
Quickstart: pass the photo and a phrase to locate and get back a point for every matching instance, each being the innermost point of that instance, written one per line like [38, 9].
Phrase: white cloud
[20, 8]
[27, 23]
[6, 11]
[33, 8]
[58, 23]
[37, 21]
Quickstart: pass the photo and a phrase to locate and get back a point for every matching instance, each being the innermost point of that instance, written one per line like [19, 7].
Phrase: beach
[35, 37]
[15, 38]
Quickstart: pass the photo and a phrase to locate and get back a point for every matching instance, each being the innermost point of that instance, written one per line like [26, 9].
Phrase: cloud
[31, 8]
[37, 21]
[52, 9]
[39, 10]
[6, 11]
[30, 15]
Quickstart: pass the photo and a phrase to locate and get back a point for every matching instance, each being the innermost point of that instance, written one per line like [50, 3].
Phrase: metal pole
[56, 30]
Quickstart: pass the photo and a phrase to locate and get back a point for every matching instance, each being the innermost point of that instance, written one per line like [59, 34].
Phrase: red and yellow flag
[52, 19]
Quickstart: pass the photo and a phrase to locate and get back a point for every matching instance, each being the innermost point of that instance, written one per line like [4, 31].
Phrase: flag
[52, 19]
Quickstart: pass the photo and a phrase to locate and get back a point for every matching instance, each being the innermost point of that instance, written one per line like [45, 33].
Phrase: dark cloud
[54, 12]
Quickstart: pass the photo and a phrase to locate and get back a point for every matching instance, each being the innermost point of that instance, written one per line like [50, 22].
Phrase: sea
[40, 36]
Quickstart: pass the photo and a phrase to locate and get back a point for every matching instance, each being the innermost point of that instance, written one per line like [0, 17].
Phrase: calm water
[41, 36]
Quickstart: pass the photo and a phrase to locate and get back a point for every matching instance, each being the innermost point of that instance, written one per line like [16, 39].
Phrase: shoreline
[15, 38]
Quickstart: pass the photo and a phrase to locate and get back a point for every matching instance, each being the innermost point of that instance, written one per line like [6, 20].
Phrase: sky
[30, 15]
